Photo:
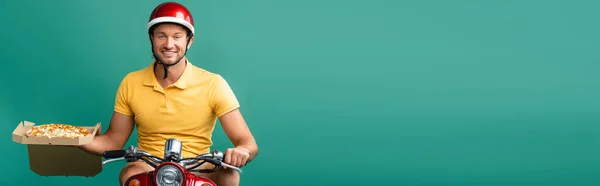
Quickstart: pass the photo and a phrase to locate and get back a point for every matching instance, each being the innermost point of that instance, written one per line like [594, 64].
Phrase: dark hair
[151, 29]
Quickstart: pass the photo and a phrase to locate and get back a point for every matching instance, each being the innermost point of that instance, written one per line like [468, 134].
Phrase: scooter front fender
[195, 180]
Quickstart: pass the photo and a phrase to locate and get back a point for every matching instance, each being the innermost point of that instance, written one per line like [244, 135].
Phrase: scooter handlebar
[215, 157]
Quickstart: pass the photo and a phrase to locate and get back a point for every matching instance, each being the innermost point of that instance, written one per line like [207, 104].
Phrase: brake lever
[231, 166]
[219, 162]
[112, 160]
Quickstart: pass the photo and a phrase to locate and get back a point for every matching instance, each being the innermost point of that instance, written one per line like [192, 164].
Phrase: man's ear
[190, 43]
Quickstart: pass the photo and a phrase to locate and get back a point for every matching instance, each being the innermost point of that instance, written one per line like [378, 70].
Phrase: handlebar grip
[114, 154]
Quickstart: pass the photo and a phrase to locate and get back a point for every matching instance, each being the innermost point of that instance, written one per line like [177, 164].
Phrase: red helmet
[171, 12]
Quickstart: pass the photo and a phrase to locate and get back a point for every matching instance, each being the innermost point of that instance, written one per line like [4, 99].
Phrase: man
[172, 98]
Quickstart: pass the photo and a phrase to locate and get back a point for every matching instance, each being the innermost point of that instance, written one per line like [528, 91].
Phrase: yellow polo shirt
[186, 110]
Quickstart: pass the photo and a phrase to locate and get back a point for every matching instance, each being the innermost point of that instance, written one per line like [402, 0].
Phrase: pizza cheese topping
[58, 131]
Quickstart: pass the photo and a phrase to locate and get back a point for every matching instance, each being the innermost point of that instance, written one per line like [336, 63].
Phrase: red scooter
[172, 169]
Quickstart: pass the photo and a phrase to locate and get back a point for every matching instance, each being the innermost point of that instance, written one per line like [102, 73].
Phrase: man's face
[170, 42]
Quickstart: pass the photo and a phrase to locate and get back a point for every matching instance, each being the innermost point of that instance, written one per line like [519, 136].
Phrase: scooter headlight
[169, 175]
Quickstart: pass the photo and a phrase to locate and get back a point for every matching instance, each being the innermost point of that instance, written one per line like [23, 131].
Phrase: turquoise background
[337, 92]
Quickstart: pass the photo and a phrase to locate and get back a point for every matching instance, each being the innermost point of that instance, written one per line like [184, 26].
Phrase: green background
[337, 92]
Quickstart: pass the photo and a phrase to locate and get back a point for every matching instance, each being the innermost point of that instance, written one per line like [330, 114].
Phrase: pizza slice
[58, 130]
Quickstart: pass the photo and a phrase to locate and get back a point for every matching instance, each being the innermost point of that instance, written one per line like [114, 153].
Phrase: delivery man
[172, 98]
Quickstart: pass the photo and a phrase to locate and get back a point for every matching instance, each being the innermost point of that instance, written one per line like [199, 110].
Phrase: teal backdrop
[431, 92]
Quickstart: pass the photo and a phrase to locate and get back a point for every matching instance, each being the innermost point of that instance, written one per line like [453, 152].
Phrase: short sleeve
[121, 98]
[223, 100]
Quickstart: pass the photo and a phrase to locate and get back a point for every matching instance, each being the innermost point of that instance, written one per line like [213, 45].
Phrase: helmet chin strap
[165, 66]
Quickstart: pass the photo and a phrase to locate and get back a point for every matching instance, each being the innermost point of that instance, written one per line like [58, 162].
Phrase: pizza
[58, 131]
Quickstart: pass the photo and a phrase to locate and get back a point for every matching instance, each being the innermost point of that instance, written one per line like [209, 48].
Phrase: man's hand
[237, 156]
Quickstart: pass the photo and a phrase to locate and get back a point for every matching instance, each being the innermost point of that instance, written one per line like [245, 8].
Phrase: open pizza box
[56, 156]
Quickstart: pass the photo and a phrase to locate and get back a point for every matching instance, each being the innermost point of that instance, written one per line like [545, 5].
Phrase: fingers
[228, 156]
[242, 159]
[236, 157]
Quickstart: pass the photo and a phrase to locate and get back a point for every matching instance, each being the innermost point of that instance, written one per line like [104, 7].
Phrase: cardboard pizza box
[55, 156]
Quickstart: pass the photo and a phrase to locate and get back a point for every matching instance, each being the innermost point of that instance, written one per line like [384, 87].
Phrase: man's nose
[170, 43]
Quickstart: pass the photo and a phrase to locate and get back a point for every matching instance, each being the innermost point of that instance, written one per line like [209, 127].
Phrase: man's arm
[117, 134]
[238, 132]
